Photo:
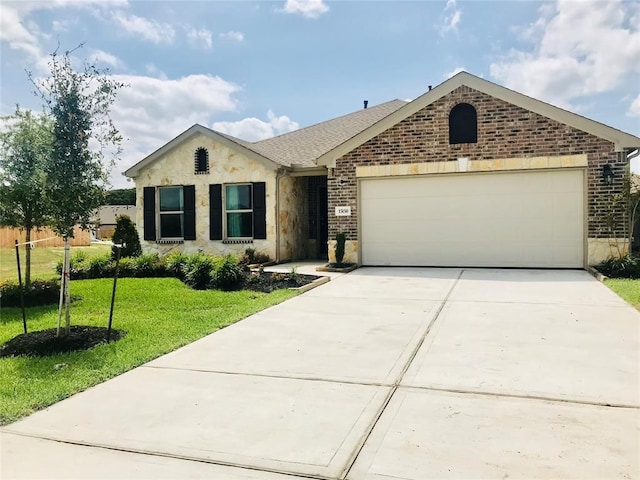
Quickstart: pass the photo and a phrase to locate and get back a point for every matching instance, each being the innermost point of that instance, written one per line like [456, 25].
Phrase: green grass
[158, 315]
[627, 288]
[43, 260]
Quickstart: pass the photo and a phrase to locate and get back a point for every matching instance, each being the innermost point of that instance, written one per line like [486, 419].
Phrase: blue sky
[257, 69]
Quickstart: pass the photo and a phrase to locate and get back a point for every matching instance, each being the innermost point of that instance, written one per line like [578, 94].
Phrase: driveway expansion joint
[521, 397]
[397, 383]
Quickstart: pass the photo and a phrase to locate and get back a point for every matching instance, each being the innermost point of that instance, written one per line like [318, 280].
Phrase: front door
[322, 221]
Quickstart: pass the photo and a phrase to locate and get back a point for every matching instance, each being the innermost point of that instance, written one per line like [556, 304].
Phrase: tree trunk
[27, 258]
[62, 290]
[67, 295]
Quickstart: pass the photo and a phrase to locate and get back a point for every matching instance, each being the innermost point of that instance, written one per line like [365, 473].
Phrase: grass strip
[628, 289]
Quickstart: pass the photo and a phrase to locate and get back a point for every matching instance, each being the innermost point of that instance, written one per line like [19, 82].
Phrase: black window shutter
[259, 211]
[149, 199]
[215, 212]
[189, 196]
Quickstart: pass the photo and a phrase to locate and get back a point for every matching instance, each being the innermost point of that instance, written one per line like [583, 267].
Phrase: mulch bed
[44, 342]
[269, 281]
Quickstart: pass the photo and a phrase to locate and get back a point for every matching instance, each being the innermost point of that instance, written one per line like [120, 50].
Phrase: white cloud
[306, 8]
[253, 129]
[451, 17]
[154, 71]
[22, 35]
[147, 29]
[201, 37]
[151, 111]
[634, 108]
[578, 49]
[454, 72]
[237, 36]
[104, 58]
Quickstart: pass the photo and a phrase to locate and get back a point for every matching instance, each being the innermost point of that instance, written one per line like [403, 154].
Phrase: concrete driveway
[403, 373]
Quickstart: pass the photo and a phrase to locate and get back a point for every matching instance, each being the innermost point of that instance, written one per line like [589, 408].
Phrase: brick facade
[504, 131]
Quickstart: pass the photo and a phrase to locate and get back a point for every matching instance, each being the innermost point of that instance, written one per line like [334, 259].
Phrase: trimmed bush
[149, 265]
[41, 292]
[197, 271]
[98, 267]
[175, 264]
[229, 275]
[126, 233]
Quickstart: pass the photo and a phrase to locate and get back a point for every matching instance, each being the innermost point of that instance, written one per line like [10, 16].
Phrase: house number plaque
[343, 211]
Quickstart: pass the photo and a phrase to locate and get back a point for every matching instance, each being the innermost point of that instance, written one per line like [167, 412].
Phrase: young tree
[126, 234]
[25, 146]
[76, 172]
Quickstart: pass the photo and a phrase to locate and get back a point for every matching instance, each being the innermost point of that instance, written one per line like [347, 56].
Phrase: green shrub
[341, 239]
[76, 264]
[174, 264]
[228, 275]
[197, 271]
[251, 257]
[248, 257]
[149, 265]
[127, 267]
[126, 233]
[627, 266]
[41, 292]
[98, 267]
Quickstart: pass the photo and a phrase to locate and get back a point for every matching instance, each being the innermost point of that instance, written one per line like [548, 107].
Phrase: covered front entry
[498, 219]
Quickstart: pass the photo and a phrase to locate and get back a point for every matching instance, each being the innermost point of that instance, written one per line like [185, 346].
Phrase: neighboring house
[106, 218]
[468, 174]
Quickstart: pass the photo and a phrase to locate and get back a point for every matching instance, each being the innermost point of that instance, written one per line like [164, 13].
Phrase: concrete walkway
[382, 373]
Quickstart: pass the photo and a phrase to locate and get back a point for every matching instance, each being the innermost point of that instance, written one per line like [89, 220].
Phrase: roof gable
[227, 140]
[620, 139]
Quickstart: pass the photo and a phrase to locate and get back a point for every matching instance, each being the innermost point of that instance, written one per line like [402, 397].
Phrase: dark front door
[322, 221]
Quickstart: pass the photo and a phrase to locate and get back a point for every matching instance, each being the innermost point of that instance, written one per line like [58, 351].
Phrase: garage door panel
[503, 219]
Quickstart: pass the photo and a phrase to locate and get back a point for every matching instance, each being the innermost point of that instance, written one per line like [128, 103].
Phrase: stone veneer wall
[225, 166]
[293, 218]
[504, 131]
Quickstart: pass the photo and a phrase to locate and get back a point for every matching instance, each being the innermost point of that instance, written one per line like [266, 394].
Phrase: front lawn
[157, 314]
[628, 289]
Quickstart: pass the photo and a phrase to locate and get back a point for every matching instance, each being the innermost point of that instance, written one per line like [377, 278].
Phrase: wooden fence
[8, 237]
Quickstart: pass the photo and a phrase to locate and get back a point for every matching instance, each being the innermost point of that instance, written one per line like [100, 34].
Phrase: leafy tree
[126, 233]
[25, 146]
[122, 196]
[76, 172]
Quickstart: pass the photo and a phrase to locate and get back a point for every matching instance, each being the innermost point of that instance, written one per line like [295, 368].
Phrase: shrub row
[198, 270]
[40, 292]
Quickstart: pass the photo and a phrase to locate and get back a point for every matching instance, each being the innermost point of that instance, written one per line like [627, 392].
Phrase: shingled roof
[299, 148]
[302, 147]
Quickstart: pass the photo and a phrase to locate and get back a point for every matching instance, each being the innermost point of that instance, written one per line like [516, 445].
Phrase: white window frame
[226, 212]
[169, 212]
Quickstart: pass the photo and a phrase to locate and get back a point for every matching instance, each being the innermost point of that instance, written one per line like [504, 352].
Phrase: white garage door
[528, 219]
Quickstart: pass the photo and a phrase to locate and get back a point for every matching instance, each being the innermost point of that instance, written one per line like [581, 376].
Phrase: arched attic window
[201, 159]
[463, 124]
